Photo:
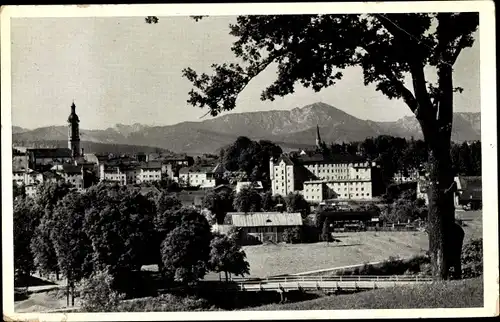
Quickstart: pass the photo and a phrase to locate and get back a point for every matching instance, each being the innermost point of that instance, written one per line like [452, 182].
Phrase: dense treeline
[116, 229]
[250, 157]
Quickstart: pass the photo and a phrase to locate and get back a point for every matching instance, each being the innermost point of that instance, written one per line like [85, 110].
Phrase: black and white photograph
[288, 160]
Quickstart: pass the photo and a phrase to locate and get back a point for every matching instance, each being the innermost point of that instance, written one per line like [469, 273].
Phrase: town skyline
[112, 94]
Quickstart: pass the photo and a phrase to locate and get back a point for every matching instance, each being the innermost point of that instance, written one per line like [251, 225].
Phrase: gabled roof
[51, 153]
[265, 219]
[250, 184]
[337, 158]
[71, 169]
[285, 158]
[151, 165]
[196, 169]
[223, 186]
[220, 168]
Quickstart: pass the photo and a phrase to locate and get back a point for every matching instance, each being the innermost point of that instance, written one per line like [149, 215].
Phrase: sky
[122, 70]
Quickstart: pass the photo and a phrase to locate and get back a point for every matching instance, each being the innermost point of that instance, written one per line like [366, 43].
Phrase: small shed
[265, 226]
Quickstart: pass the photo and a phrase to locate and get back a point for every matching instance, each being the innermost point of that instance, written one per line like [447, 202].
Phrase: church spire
[318, 137]
[74, 132]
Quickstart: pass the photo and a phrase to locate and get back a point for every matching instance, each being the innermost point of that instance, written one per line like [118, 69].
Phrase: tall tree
[295, 202]
[313, 49]
[219, 203]
[120, 226]
[72, 246]
[185, 250]
[228, 257]
[247, 200]
[26, 218]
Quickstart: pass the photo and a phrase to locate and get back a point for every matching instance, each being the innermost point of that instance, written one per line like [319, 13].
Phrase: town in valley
[294, 205]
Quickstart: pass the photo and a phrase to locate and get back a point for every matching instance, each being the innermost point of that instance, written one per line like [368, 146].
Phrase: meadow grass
[451, 294]
[353, 248]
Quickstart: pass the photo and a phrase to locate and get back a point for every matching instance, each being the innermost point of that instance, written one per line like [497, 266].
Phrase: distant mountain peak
[292, 128]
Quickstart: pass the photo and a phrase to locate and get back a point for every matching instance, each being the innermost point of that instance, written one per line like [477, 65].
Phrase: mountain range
[291, 129]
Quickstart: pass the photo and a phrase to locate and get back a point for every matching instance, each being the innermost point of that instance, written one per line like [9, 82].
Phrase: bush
[418, 265]
[472, 259]
[292, 235]
[165, 303]
[97, 294]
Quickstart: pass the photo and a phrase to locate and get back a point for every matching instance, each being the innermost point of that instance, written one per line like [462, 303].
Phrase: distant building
[422, 187]
[38, 158]
[264, 226]
[130, 173]
[223, 188]
[31, 190]
[319, 178]
[408, 176]
[149, 172]
[257, 185]
[71, 174]
[177, 160]
[202, 177]
[469, 191]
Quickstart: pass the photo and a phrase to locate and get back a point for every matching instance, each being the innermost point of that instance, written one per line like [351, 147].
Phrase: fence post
[359, 277]
[285, 279]
[321, 278]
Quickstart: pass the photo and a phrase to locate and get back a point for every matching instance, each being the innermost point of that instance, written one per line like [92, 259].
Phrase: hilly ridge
[289, 128]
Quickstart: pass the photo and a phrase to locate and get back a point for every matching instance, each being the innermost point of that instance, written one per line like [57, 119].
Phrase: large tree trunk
[441, 215]
[445, 236]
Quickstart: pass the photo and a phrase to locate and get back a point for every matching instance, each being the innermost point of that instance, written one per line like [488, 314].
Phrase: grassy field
[454, 294]
[354, 248]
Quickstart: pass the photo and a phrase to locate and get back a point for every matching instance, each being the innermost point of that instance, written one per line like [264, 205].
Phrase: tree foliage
[472, 258]
[295, 202]
[72, 246]
[26, 217]
[227, 256]
[185, 250]
[313, 50]
[98, 294]
[251, 157]
[219, 203]
[120, 226]
[247, 200]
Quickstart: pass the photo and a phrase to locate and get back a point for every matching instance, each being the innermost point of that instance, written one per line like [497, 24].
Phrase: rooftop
[51, 153]
[196, 169]
[338, 158]
[263, 219]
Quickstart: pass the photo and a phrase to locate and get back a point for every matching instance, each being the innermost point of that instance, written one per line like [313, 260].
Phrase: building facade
[202, 177]
[319, 178]
[264, 226]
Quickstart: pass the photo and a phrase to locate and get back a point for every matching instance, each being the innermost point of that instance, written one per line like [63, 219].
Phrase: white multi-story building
[27, 177]
[131, 173]
[283, 176]
[317, 178]
[150, 172]
[202, 177]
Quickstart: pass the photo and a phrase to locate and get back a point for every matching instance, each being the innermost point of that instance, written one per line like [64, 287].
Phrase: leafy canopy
[314, 49]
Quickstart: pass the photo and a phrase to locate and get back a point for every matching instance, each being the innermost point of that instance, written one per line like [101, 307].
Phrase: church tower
[318, 137]
[74, 132]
